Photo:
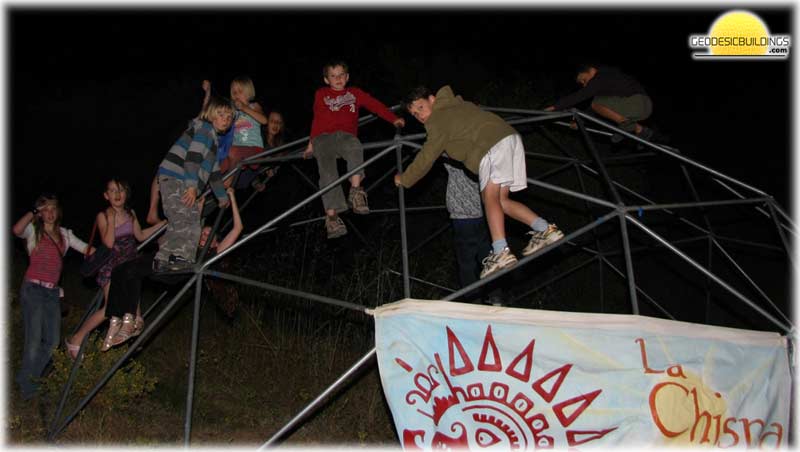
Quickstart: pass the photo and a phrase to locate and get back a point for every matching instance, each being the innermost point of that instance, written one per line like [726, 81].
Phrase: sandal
[114, 326]
[72, 350]
[138, 326]
[125, 331]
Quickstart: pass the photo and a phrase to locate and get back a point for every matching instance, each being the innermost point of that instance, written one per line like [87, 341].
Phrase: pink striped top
[45, 264]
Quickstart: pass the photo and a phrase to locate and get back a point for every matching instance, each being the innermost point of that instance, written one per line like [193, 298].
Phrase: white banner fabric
[468, 376]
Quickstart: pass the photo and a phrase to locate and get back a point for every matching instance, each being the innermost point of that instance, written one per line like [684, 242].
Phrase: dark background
[102, 92]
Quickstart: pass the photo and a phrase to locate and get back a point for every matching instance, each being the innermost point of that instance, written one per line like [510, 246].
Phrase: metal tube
[187, 426]
[447, 225]
[392, 171]
[555, 170]
[644, 294]
[765, 246]
[645, 199]
[739, 195]
[401, 200]
[286, 291]
[747, 278]
[556, 278]
[422, 281]
[375, 211]
[637, 249]
[626, 246]
[305, 178]
[588, 129]
[590, 214]
[580, 231]
[298, 206]
[543, 118]
[316, 402]
[596, 157]
[155, 303]
[411, 144]
[361, 121]
[715, 278]
[131, 349]
[683, 205]
[783, 214]
[409, 209]
[74, 369]
[558, 158]
[672, 154]
[785, 242]
[574, 194]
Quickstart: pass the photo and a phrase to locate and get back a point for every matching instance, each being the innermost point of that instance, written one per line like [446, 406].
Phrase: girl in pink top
[46, 243]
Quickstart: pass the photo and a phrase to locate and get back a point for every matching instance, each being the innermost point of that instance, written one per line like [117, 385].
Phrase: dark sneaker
[646, 133]
[358, 200]
[335, 227]
[496, 262]
[175, 263]
[159, 266]
[617, 137]
[540, 239]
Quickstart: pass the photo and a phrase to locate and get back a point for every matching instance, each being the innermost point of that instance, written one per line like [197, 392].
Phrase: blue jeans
[41, 314]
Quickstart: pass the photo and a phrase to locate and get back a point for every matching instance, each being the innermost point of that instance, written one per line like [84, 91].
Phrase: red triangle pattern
[488, 341]
[452, 341]
[585, 400]
[527, 354]
[572, 436]
[538, 385]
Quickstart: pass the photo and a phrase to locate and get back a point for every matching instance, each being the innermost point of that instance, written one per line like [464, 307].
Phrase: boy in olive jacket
[488, 147]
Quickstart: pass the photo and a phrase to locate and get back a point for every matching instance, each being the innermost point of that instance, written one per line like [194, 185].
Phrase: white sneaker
[540, 239]
[496, 262]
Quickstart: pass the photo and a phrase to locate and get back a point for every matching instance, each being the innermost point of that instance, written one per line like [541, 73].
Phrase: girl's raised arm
[253, 110]
[22, 223]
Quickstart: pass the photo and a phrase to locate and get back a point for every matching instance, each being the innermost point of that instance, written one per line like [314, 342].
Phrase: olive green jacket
[462, 129]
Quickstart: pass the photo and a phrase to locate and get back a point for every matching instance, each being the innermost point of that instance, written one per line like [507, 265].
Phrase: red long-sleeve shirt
[338, 110]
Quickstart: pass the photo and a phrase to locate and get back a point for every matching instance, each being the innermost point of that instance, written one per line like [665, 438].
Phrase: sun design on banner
[478, 403]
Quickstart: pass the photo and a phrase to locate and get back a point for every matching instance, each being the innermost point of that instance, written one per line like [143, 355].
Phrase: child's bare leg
[515, 209]
[330, 212]
[93, 321]
[152, 214]
[494, 211]
[355, 180]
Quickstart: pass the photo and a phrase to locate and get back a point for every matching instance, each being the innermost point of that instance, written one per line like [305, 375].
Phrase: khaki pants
[327, 148]
[183, 229]
[634, 108]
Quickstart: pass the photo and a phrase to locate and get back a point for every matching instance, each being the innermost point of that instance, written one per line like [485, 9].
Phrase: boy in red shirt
[333, 135]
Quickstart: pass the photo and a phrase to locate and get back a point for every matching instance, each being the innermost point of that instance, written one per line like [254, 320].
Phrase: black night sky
[95, 92]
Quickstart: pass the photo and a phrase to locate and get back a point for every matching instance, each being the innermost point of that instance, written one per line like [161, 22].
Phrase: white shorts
[504, 164]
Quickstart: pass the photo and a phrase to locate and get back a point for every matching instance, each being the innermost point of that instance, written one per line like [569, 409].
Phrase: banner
[468, 376]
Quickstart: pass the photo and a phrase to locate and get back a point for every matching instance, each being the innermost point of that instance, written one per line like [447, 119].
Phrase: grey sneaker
[335, 227]
[540, 239]
[496, 262]
[357, 198]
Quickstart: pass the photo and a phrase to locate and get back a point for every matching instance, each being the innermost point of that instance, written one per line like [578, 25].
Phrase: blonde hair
[213, 108]
[247, 86]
